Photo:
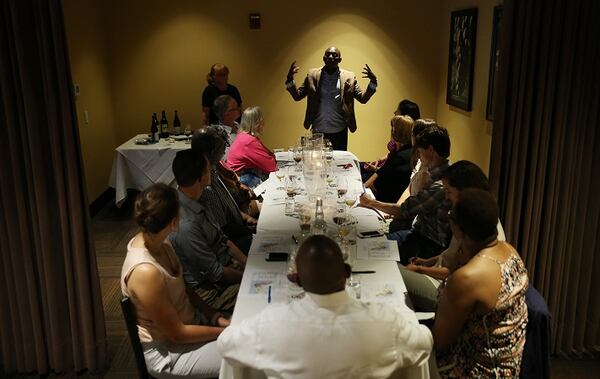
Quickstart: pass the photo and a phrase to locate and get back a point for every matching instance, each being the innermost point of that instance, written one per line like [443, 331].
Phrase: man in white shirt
[327, 334]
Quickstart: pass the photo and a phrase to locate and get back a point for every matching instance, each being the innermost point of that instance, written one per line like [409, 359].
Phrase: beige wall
[470, 132]
[160, 53]
[153, 55]
[85, 34]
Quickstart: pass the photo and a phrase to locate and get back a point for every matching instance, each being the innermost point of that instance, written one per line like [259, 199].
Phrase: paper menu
[264, 243]
[262, 280]
[377, 249]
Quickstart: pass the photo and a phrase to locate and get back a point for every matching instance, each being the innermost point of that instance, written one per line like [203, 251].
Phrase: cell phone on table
[276, 257]
[369, 234]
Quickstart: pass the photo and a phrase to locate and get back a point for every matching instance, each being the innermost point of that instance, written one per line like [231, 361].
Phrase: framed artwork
[461, 58]
[494, 55]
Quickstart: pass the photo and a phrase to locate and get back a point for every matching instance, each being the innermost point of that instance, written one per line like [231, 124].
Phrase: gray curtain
[545, 162]
[51, 316]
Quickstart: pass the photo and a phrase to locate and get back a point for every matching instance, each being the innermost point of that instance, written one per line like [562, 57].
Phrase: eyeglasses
[236, 109]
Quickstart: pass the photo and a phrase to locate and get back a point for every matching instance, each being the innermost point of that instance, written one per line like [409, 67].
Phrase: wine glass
[280, 174]
[342, 187]
[350, 199]
[329, 178]
[353, 282]
[349, 230]
[291, 185]
[305, 216]
[188, 133]
[340, 218]
[297, 155]
[294, 291]
[328, 155]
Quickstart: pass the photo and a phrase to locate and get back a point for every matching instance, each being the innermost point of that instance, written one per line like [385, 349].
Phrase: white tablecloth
[139, 166]
[274, 228]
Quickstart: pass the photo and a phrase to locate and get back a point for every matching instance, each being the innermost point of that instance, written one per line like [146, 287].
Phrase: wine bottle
[176, 124]
[154, 134]
[164, 126]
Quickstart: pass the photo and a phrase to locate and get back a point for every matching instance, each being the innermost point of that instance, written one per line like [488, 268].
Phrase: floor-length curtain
[545, 163]
[51, 316]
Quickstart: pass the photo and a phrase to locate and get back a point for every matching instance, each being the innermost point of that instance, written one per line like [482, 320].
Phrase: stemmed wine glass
[350, 199]
[297, 156]
[328, 155]
[305, 216]
[188, 133]
[339, 218]
[353, 283]
[291, 185]
[280, 174]
[342, 187]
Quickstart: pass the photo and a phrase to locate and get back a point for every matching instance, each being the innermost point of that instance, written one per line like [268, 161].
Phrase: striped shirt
[220, 204]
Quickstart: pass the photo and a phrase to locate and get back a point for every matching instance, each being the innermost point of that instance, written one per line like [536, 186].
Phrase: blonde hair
[216, 68]
[252, 121]
[401, 129]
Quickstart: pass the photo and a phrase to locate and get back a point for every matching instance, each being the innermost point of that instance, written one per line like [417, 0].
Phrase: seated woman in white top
[172, 320]
[423, 276]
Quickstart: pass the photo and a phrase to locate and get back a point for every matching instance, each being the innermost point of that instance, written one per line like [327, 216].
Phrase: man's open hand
[367, 73]
[293, 71]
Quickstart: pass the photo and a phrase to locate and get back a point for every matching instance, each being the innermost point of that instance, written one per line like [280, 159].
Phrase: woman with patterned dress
[481, 320]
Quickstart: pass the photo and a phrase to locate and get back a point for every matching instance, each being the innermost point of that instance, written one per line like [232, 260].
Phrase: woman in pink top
[248, 157]
[172, 320]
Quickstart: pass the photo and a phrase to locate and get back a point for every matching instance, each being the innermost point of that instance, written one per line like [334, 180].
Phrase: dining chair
[138, 352]
[536, 354]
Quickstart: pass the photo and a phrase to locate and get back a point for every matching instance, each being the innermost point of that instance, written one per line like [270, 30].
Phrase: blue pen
[269, 296]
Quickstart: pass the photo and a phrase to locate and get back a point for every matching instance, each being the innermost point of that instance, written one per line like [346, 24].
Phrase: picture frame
[461, 58]
[494, 56]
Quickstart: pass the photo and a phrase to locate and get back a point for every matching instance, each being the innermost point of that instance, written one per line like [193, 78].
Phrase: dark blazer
[349, 88]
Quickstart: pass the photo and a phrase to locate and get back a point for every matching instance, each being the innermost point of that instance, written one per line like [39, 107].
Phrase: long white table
[139, 166]
[275, 230]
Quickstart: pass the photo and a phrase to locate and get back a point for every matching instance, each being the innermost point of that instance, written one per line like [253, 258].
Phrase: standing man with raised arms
[330, 93]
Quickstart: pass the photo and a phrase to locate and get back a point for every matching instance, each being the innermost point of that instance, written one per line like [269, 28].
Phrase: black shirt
[211, 93]
[394, 176]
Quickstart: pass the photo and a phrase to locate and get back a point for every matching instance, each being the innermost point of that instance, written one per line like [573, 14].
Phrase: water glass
[305, 217]
[350, 230]
[353, 287]
[290, 206]
[294, 291]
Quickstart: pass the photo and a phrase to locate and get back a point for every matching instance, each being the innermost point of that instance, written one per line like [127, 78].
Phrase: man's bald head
[320, 265]
[332, 57]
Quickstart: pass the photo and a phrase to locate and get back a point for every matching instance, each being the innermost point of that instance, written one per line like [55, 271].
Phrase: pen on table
[269, 296]
[379, 215]
[295, 239]
[364, 272]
